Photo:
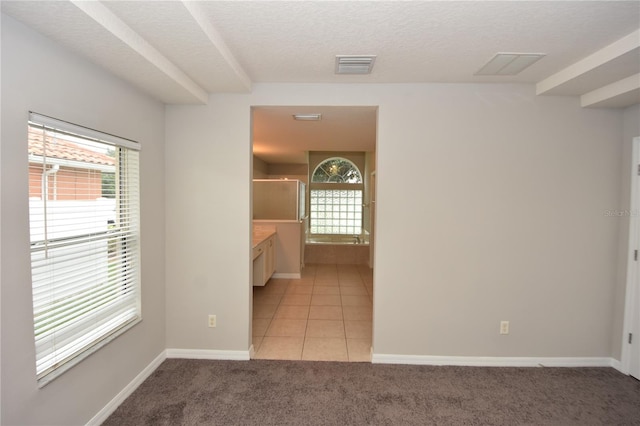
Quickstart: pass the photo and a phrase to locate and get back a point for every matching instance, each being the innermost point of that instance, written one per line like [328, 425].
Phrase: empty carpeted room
[497, 201]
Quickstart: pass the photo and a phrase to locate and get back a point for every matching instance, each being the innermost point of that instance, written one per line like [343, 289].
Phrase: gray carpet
[259, 392]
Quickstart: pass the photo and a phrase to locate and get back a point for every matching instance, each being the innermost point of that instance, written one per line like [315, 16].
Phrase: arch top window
[336, 170]
[335, 198]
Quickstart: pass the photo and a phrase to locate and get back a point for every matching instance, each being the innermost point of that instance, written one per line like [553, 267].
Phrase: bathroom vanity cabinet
[288, 246]
[279, 204]
[264, 258]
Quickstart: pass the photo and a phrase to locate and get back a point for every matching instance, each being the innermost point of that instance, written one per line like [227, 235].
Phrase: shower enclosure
[278, 199]
[280, 203]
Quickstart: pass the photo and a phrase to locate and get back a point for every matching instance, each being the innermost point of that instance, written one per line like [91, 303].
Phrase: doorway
[326, 312]
[631, 329]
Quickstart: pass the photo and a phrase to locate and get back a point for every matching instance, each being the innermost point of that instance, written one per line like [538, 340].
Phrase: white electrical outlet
[504, 327]
[212, 321]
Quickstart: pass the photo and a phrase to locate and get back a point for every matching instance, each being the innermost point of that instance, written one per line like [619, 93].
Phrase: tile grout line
[334, 279]
[304, 338]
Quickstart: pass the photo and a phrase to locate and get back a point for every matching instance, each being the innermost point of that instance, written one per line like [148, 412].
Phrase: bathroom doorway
[324, 310]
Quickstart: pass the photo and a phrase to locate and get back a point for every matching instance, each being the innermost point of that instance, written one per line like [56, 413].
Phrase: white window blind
[84, 226]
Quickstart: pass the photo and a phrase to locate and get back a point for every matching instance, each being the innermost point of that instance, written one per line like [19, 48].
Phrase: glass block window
[335, 198]
[336, 211]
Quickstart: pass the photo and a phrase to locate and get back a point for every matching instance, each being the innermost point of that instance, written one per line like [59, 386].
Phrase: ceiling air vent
[354, 64]
[509, 63]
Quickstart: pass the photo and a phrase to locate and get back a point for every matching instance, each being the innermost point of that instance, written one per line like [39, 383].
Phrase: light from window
[84, 225]
[336, 211]
[336, 170]
[335, 198]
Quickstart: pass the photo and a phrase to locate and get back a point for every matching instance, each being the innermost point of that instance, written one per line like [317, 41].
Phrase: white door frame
[632, 264]
[372, 217]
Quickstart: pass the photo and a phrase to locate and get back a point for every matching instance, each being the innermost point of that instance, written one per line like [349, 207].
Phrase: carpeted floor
[261, 392]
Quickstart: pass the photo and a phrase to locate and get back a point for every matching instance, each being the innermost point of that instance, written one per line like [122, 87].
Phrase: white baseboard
[286, 275]
[108, 409]
[208, 354]
[618, 366]
[493, 361]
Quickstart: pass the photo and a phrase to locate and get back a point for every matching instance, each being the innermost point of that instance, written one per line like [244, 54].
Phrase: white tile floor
[324, 316]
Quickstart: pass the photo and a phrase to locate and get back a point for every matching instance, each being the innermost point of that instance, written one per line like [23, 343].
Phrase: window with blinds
[84, 229]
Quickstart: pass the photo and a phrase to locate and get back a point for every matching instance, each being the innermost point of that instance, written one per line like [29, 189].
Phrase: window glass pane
[338, 214]
[336, 170]
[84, 222]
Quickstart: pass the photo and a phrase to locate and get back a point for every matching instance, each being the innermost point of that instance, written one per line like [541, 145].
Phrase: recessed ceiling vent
[354, 64]
[509, 63]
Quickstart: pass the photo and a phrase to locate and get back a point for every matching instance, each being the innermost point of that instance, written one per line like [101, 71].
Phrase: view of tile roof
[57, 147]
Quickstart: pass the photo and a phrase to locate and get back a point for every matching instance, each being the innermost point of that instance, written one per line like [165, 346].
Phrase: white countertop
[261, 233]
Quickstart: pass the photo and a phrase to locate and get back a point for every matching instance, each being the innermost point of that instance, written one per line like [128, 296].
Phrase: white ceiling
[278, 138]
[181, 51]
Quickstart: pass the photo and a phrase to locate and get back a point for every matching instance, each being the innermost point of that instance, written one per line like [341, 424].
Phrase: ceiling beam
[218, 42]
[620, 94]
[590, 63]
[109, 21]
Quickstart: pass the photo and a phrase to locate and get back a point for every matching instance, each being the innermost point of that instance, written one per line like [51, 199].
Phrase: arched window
[336, 170]
[336, 198]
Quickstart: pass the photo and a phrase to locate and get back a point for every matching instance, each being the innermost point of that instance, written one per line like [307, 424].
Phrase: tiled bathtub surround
[324, 316]
[351, 254]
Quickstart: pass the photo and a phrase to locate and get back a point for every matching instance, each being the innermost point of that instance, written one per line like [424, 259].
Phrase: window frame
[111, 291]
[335, 186]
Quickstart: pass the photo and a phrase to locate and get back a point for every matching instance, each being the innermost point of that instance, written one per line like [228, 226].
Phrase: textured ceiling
[414, 41]
[182, 51]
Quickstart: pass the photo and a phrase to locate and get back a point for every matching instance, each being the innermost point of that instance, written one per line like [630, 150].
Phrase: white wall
[490, 207]
[208, 246]
[504, 220]
[38, 75]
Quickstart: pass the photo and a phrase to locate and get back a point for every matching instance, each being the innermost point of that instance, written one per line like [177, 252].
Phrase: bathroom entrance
[321, 310]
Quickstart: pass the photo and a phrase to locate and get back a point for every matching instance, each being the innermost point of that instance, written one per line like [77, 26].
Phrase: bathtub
[337, 249]
[338, 239]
